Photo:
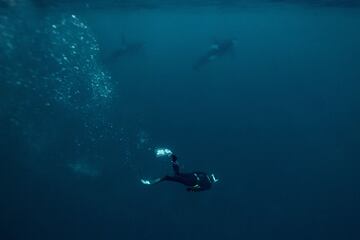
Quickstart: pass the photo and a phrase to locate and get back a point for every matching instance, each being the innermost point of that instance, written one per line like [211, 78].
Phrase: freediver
[216, 50]
[195, 181]
[126, 49]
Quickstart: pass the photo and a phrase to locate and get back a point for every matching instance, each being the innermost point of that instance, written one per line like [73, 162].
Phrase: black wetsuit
[195, 181]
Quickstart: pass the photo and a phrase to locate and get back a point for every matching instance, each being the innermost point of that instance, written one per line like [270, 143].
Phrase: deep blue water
[88, 90]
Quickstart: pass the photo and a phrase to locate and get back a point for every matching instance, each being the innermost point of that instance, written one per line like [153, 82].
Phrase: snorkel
[213, 178]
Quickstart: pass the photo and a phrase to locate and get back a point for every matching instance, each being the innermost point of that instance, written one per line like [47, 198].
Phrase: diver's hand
[146, 182]
[163, 152]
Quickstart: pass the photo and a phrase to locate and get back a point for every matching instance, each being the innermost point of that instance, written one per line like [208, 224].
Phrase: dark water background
[277, 120]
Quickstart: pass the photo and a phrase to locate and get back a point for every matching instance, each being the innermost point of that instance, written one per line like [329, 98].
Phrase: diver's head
[213, 179]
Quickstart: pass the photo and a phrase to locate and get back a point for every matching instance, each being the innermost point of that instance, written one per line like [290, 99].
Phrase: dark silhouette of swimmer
[126, 49]
[217, 50]
[195, 181]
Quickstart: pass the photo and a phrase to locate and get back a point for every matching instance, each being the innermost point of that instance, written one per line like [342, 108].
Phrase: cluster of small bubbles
[100, 86]
[55, 67]
[81, 80]
[70, 74]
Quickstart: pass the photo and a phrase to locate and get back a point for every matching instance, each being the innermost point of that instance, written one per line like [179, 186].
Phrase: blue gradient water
[89, 89]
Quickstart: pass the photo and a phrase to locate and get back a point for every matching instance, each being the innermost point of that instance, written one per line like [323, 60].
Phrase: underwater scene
[179, 119]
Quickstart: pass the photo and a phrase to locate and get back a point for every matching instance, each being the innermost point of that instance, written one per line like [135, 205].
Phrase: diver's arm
[175, 164]
[173, 157]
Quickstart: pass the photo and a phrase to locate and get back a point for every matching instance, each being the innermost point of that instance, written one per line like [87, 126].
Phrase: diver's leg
[157, 180]
[171, 179]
